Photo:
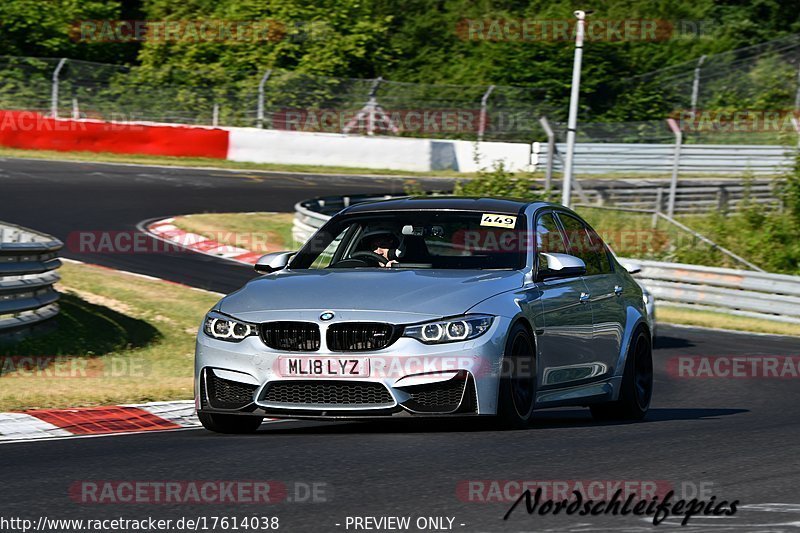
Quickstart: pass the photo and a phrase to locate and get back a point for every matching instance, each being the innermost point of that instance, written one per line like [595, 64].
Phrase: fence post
[676, 161]
[551, 152]
[797, 94]
[260, 112]
[482, 123]
[54, 88]
[215, 115]
[76, 110]
[696, 84]
[572, 118]
[722, 200]
[657, 210]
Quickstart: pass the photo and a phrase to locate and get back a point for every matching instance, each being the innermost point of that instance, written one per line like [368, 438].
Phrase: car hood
[432, 293]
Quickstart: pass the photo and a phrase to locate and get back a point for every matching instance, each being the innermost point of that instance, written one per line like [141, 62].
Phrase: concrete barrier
[395, 153]
[329, 149]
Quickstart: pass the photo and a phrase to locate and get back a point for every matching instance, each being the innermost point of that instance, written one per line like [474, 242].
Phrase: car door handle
[585, 297]
[618, 290]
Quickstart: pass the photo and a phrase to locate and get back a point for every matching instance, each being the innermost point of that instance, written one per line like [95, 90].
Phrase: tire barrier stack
[28, 263]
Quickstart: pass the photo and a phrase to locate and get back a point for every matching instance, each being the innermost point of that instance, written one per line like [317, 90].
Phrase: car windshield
[456, 240]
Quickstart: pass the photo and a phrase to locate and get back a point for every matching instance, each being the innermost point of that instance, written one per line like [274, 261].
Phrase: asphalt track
[737, 439]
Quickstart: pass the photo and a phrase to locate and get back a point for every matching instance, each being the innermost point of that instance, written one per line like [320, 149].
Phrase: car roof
[503, 206]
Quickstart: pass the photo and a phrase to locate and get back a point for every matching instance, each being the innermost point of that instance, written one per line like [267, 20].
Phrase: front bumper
[408, 378]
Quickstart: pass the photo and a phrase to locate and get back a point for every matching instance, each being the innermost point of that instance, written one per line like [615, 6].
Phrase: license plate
[324, 367]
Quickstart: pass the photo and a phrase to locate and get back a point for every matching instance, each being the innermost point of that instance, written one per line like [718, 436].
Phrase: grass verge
[262, 232]
[119, 339]
[712, 319]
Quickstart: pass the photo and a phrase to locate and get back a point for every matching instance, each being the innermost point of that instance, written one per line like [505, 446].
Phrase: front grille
[327, 394]
[360, 336]
[291, 336]
[226, 394]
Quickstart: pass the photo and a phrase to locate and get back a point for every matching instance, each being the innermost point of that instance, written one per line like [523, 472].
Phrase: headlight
[646, 297]
[451, 330]
[224, 328]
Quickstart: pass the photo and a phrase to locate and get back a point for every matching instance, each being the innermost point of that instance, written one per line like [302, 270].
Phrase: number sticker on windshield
[498, 221]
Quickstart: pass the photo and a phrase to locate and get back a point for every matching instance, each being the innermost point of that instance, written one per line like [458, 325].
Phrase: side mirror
[631, 267]
[273, 262]
[555, 266]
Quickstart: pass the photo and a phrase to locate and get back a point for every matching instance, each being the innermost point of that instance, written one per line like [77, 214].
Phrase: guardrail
[28, 260]
[738, 292]
[692, 196]
[601, 158]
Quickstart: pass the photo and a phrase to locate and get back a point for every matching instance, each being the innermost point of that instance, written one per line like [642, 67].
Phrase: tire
[636, 389]
[230, 423]
[517, 395]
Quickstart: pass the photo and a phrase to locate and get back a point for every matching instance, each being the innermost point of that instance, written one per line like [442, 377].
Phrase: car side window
[585, 244]
[602, 250]
[548, 236]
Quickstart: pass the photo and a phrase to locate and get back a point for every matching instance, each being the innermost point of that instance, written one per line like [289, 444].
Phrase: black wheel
[518, 380]
[230, 423]
[637, 384]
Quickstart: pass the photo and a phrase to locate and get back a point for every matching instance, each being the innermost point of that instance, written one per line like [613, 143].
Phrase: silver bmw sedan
[430, 307]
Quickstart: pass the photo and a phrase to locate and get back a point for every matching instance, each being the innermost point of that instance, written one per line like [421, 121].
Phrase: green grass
[262, 232]
[713, 319]
[119, 339]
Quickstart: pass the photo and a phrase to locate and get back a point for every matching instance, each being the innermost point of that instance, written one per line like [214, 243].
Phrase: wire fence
[746, 96]
[272, 99]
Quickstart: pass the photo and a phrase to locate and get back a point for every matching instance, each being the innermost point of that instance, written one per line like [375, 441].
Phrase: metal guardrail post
[215, 115]
[572, 118]
[676, 162]
[657, 210]
[723, 199]
[551, 152]
[482, 123]
[54, 88]
[260, 111]
[696, 85]
[797, 93]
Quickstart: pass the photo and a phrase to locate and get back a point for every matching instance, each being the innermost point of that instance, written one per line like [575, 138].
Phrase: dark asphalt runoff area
[734, 438]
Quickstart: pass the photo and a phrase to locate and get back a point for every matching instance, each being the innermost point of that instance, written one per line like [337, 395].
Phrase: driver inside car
[386, 245]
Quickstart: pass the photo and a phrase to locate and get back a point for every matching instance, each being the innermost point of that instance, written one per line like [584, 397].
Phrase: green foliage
[46, 29]
[422, 41]
[499, 182]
